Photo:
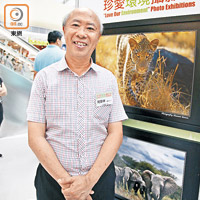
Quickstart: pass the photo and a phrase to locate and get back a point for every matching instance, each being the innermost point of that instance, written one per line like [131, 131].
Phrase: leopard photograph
[153, 70]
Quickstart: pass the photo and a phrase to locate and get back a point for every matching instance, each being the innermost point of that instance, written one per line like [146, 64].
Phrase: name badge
[104, 99]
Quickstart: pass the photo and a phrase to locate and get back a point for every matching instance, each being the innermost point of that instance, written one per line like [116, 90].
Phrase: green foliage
[177, 194]
[130, 162]
[166, 173]
[118, 161]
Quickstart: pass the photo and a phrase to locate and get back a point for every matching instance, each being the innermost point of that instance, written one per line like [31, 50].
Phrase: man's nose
[81, 32]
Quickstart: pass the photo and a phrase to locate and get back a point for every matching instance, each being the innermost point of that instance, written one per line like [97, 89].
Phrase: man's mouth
[81, 44]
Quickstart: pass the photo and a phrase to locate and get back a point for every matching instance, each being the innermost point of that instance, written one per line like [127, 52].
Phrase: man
[8, 63]
[51, 54]
[3, 92]
[74, 118]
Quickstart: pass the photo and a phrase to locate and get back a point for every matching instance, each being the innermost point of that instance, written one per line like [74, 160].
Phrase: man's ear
[58, 41]
[99, 35]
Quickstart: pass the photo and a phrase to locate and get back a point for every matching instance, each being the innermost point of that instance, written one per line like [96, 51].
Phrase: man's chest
[74, 97]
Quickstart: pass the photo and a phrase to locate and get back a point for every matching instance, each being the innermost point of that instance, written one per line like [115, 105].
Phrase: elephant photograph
[147, 171]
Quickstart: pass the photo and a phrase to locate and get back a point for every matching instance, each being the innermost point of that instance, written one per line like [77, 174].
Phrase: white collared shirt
[76, 110]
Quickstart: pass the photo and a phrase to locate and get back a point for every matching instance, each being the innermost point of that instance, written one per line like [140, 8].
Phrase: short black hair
[53, 36]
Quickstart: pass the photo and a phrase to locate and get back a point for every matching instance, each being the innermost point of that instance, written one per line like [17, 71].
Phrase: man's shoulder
[50, 69]
[41, 53]
[48, 50]
[102, 70]
[56, 49]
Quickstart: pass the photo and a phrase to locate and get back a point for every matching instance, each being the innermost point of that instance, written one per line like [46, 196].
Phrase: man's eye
[76, 25]
[90, 28]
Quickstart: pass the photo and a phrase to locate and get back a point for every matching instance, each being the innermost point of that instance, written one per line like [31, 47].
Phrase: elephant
[158, 186]
[118, 179]
[130, 179]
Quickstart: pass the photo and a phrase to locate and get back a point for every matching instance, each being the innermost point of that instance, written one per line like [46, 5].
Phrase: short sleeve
[117, 112]
[36, 105]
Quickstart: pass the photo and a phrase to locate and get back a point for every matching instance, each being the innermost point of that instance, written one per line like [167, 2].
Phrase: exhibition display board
[152, 48]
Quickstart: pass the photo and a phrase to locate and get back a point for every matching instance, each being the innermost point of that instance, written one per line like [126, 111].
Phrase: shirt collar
[63, 65]
[52, 46]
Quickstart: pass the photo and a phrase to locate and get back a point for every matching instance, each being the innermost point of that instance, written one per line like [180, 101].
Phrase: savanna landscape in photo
[169, 86]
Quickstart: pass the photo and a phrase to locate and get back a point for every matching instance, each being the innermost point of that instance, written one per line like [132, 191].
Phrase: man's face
[81, 32]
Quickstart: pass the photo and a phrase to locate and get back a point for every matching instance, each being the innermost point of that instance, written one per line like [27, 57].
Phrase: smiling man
[75, 118]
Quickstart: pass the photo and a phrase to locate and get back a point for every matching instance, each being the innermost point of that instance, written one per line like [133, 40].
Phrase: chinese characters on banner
[114, 8]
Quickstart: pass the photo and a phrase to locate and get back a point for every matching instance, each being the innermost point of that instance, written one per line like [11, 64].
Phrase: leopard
[134, 55]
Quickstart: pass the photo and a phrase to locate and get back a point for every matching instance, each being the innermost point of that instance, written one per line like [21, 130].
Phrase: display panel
[152, 76]
[156, 67]
[155, 166]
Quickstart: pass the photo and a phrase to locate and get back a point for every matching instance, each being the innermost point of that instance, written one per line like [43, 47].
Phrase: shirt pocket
[102, 111]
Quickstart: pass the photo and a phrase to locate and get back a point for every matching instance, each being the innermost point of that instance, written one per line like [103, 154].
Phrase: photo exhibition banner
[127, 10]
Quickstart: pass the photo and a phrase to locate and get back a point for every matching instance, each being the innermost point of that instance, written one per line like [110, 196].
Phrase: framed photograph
[156, 66]
[153, 166]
